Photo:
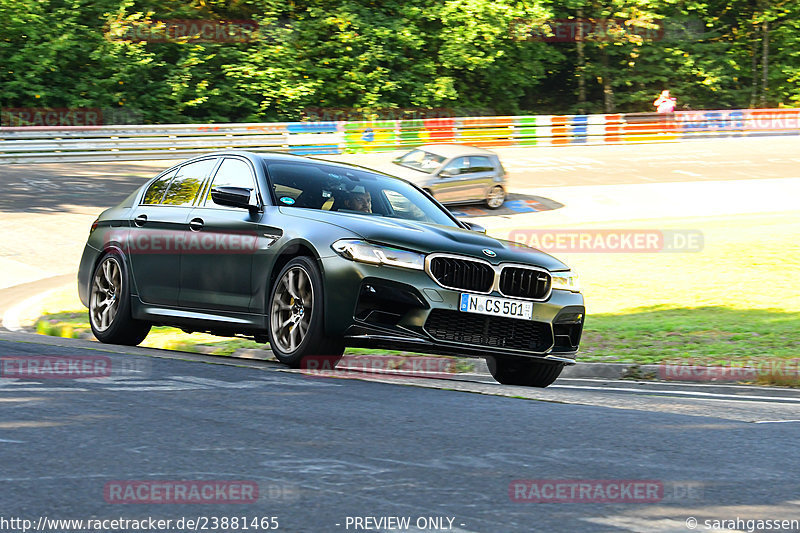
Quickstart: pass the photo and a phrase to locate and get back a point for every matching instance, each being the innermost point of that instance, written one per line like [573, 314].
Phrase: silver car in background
[454, 173]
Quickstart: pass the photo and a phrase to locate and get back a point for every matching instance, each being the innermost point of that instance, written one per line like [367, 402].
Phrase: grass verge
[702, 336]
[734, 302]
[76, 325]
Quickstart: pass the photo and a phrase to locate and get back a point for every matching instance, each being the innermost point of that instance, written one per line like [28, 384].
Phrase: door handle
[196, 224]
[140, 220]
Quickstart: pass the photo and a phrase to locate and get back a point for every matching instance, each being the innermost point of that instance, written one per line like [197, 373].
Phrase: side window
[402, 207]
[184, 187]
[480, 163]
[232, 173]
[157, 189]
[457, 166]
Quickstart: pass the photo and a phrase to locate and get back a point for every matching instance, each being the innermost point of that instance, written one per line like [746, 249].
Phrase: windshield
[350, 190]
[420, 160]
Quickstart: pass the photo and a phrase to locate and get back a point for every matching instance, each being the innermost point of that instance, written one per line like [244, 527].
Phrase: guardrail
[100, 143]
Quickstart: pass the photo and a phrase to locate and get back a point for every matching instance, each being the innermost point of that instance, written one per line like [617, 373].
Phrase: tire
[496, 197]
[110, 303]
[296, 336]
[523, 371]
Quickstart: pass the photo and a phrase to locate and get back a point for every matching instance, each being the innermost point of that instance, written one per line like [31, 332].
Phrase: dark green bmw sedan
[312, 256]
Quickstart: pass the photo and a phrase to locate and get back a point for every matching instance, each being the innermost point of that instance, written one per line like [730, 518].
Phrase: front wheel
[296, 322]
[523, 371]
[110, 304]
[496, 197]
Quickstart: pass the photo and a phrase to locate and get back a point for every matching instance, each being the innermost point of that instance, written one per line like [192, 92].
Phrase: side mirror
[472, 226]
[448, 173]
[232, 197]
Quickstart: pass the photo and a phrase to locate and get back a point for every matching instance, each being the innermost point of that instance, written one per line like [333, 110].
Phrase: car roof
[270, 156]
[276, 157]
[453, 150]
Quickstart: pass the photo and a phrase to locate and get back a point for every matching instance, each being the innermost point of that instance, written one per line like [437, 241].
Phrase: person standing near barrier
[665, 103]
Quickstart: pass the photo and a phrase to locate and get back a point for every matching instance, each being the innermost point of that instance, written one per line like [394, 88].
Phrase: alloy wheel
[291, 308]
[106, 289]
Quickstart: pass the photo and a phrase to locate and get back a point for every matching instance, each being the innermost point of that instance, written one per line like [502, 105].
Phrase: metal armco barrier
[100, 143]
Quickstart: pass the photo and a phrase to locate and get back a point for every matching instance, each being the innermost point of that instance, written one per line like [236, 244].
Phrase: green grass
[737, 300]
[76, 325]
[73, 325]
[703, 335]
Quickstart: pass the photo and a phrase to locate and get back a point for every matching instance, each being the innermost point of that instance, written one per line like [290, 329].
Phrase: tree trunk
[608, 91]
[764, 64]
[581, 66]
[754, 73]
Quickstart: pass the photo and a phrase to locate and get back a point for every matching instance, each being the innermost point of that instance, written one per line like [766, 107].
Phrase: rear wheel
[496, 197]
[110, 304]
[523, 371]
[296, 321]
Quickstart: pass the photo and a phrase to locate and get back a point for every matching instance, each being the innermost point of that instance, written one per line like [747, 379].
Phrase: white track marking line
[47, 389]
[688, 173]
[705, 384]
[698, 395]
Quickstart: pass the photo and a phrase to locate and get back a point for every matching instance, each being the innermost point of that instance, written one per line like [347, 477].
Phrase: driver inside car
[358, 201]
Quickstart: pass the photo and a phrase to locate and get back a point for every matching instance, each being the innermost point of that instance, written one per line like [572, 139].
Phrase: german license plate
[489, 305]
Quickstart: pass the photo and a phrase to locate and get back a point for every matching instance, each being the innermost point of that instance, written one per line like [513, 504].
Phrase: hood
[428, 238]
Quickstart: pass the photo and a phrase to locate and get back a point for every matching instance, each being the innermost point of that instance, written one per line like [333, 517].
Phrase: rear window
[155, 192]
[420, 160]
[186, 184]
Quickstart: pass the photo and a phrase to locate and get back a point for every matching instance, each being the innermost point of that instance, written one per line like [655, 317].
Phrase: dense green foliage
[468, 56]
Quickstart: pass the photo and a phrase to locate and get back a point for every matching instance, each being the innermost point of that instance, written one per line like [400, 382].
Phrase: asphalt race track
[329, 453]
[324, 449]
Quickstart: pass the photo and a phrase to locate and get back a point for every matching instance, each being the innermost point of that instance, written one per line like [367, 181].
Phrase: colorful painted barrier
[93, 142]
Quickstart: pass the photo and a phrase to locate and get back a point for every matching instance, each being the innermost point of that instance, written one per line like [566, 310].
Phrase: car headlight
[375, 254]
[566, 281]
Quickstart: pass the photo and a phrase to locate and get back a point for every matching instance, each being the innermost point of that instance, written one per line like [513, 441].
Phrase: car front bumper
[397, 308]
